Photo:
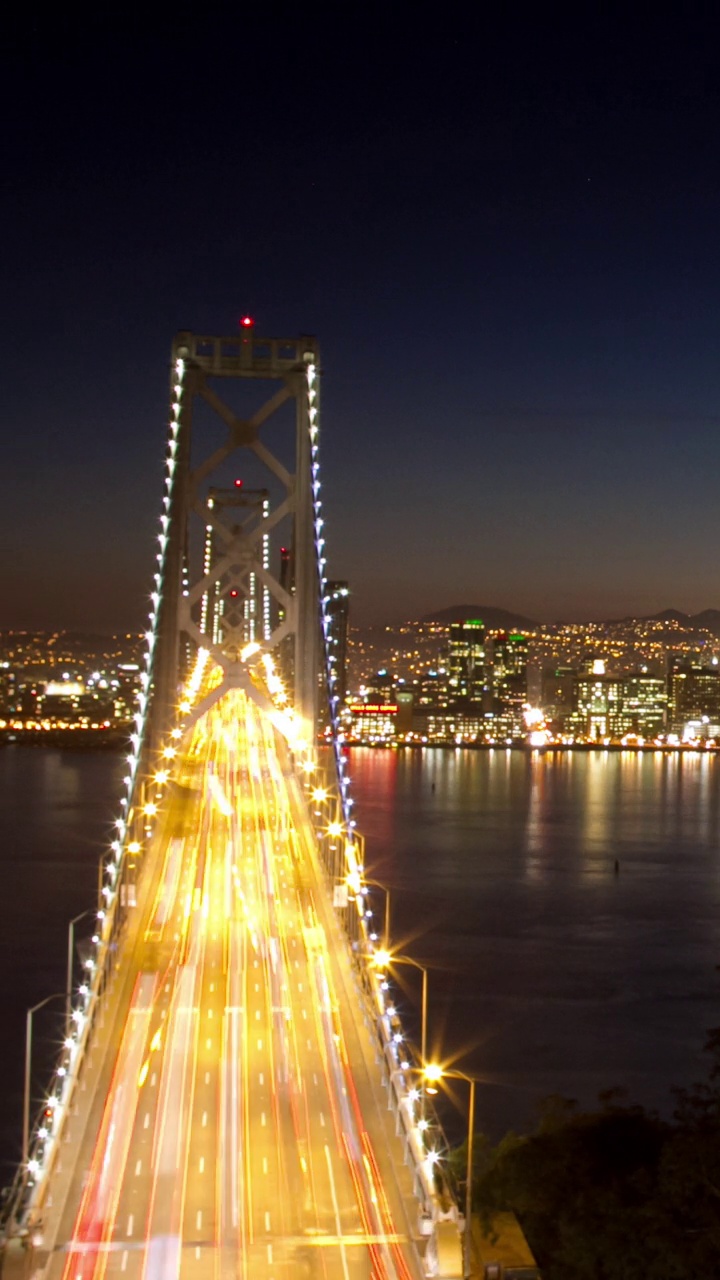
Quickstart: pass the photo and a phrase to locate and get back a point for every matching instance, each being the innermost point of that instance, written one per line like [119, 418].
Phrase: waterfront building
[468, 668]
[598, 705]
[448, 725]
[509, 683]
[644, 705]
[693, 694]
[374, 723]
[432, 688]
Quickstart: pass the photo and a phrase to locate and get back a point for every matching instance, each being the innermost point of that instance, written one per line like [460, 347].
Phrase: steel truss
[239, 551]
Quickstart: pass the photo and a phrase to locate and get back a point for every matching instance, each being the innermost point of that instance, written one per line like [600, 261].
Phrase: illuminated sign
[362, 708]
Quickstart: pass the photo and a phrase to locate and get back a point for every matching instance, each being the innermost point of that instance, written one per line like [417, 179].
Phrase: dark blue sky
[504, 235]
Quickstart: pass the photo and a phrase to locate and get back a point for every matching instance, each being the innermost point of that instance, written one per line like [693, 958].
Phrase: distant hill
[494, 619]
[505, 620]
[671, 615]
[709, 619]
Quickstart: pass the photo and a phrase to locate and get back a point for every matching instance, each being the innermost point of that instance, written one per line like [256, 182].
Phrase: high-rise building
[509, 683]
[557, 697]
[337, 602]
[644, 704]
[693, 694]
[468, 671]
[598, 705]
[235, 609]
[431, 688]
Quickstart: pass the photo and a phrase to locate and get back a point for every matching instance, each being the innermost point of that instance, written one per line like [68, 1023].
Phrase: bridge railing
[424, 1144]
[345, 859]
[23, 1200]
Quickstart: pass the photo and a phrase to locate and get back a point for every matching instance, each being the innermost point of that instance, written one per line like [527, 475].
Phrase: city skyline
[505, 244]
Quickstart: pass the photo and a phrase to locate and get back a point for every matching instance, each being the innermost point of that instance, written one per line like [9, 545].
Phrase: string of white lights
[54, 1107]
[399, 1063]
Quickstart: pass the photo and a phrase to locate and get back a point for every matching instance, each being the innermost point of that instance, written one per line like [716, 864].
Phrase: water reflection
[564, 976]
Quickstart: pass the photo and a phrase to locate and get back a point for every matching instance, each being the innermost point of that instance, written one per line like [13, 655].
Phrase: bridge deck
[235, 1124]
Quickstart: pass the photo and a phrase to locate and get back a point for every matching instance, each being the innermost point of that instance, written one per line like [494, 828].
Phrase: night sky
[505, 234]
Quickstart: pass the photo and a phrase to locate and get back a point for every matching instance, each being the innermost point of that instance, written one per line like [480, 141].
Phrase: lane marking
[261, 1077]
[265, 1164]
[212, 986]
[338, 1223]
[257, 1015]
[138, 1167]
[204, 1120]
[201, 1164]
[210, 1013]
[315, 1079]
[146, 1121]
[267, 1220]
[153, 1079]
[269, 1254]
[322, 1120]
[198, 1220]
[207, 1077]
[131, 1220]
[123, 1260]
[208, 1044]
[262, 1118]
[259, 1044]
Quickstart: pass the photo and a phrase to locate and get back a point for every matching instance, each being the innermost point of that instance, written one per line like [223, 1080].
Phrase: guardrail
[400, 1064]
[23, 1199]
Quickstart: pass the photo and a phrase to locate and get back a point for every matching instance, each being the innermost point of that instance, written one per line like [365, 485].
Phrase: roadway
[238, 1130]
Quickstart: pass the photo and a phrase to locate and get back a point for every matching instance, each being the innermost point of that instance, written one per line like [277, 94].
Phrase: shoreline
[547, 749]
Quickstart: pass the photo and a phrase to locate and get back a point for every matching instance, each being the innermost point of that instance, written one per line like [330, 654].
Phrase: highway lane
[233, 1142]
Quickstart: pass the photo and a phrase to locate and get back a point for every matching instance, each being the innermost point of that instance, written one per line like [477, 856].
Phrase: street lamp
[56, 995]
[384, 959]
[70, 957]
[433, 1075]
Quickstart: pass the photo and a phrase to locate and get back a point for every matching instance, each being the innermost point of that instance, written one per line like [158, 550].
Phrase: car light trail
[250, 1147]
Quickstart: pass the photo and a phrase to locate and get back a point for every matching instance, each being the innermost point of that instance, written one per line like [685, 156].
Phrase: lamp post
[28, 1063]
[385, 959]
[433, 1074]
[70, 957]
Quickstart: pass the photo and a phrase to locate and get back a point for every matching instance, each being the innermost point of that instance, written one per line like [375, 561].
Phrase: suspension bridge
[235, 1095]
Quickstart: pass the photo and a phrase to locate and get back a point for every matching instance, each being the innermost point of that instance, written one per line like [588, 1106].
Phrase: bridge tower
[201, 367]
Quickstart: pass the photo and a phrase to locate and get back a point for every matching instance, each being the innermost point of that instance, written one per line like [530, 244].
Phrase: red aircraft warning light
[246, 322]
[238, 484]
